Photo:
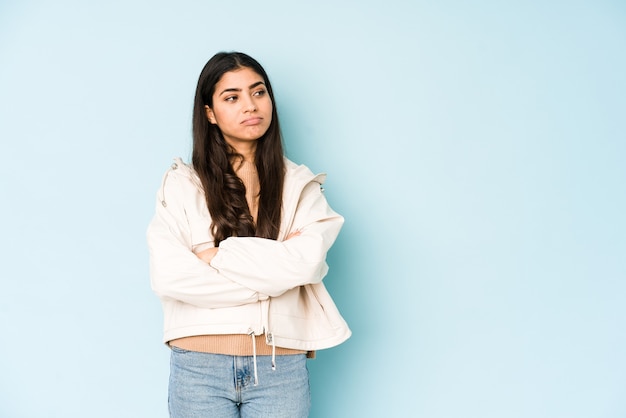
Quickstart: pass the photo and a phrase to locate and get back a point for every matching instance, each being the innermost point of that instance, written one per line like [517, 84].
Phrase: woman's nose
[249, 105]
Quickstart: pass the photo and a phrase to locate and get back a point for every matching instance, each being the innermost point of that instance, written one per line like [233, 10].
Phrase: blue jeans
[215, 385]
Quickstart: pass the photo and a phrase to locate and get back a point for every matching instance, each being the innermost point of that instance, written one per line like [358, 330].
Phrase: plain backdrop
[476, 149]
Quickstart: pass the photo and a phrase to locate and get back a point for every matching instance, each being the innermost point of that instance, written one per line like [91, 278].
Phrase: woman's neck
[246, 149]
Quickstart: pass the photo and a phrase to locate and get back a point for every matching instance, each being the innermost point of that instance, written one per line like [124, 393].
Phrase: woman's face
[242, 107]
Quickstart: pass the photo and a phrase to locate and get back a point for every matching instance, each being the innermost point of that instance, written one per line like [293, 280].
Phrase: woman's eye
[259, 93]
[230, 98]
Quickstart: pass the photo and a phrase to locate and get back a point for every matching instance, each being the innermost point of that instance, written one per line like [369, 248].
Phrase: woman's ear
[210, 115]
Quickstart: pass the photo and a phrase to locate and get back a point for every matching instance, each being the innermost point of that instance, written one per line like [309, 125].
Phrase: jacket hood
[296, 175]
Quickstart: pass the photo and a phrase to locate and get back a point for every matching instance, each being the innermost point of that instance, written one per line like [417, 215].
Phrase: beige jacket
[253, 285]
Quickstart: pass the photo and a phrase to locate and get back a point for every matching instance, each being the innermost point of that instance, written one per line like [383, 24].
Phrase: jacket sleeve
[273, 267]
[175, 271]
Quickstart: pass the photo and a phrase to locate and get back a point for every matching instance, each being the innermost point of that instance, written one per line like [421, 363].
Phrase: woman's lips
[252, 121]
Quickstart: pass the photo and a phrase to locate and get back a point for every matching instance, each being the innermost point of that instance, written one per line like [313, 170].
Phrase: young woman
[237, 256]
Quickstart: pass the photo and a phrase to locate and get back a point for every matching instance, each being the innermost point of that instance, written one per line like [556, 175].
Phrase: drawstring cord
[270, 337]
[256, 376]
[270, 340]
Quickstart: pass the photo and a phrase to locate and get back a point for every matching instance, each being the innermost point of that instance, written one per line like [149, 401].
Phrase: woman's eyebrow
[233, 89]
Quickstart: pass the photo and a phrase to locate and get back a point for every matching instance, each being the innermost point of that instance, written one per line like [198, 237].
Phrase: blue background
[475, 148]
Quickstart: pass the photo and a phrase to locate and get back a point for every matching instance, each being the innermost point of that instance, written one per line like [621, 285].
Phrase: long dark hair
[212, 156]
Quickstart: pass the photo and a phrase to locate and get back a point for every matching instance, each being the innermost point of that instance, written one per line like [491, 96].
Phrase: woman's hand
[207, 255]
[293, 234]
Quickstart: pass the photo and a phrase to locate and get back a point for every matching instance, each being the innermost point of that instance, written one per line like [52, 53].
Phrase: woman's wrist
[208, 254]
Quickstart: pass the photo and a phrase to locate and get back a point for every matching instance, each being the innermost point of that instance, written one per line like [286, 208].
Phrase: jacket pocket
[307, 318]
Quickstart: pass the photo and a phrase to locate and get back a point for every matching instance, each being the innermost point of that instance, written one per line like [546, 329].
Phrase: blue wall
[476, 150]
